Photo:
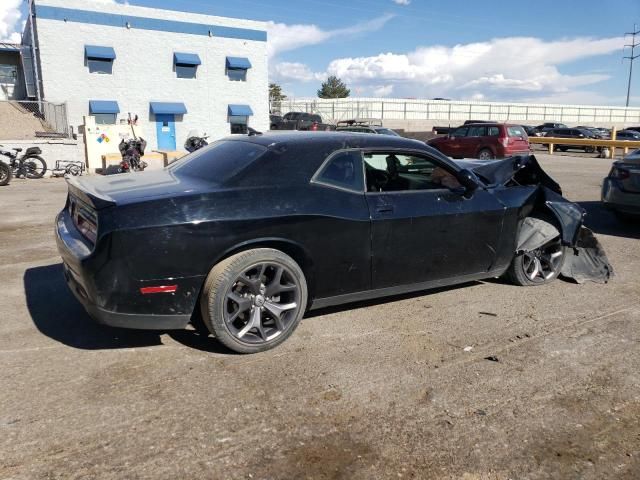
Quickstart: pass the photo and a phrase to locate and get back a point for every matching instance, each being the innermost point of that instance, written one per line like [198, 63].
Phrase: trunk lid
[107, 191]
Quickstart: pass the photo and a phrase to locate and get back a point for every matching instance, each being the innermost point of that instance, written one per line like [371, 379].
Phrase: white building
[176, 71]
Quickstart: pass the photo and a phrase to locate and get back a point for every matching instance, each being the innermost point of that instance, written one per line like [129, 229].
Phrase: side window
[516, 132]
[460, 132]
[344, 170]
[100, 65]
[392, 172]
[494, 132]
[477, 131]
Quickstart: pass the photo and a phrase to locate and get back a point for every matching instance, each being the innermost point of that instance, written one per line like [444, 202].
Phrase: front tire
[254, 300]
[35, 167]
[538, 267]
[5, 174]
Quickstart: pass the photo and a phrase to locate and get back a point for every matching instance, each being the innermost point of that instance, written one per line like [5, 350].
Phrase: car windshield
[219, 161]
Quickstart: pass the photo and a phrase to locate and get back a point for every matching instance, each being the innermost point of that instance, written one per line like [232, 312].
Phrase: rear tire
[5, 174]
[254, 300]
[485, 154]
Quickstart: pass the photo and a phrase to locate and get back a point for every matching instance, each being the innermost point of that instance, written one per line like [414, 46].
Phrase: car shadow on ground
[604, 221]
[57, 314]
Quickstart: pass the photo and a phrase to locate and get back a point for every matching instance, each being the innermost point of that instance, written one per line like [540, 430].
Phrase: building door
[166, 128]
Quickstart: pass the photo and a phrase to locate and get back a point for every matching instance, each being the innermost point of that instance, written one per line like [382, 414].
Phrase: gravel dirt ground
[376, 390]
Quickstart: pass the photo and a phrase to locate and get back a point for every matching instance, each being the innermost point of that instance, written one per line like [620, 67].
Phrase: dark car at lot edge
[545, 127]
[300, 121]
[484, 141]
[577, 133]
[628, 135]
[621, 187]
[250, 232]
[364, 126]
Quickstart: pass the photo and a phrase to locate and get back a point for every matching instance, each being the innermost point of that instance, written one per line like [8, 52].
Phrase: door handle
[385, 209]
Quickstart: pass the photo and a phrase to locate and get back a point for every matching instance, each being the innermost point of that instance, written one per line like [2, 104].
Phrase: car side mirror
[469, 181]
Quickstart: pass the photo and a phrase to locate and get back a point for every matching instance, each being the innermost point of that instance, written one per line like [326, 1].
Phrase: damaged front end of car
[545, 215]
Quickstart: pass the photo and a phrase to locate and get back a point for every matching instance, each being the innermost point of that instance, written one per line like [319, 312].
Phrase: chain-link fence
[25, 119]
[443, 110]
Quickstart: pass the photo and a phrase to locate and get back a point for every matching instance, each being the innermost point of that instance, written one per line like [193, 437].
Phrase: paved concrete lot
[384, 390]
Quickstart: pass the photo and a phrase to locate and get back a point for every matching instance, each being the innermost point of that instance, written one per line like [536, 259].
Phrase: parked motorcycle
[5, 174]
[29, 165]
[195, 141]
[132, 150]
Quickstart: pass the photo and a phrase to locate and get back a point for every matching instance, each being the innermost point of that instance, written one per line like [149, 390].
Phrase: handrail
[586, 142]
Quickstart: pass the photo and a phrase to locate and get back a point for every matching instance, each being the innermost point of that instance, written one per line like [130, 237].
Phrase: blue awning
[240, 110]
[170, 108]
[104, 53]
[186, 59]
[239, 63]
[103, 106]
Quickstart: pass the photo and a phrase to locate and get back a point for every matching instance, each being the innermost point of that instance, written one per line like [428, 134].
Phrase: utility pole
[632, 57]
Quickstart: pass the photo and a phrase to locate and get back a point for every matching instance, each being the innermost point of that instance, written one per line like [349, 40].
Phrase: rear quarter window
[493, 132]
[220, 161]
[516, 131]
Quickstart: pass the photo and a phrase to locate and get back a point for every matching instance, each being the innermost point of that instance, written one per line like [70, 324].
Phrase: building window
[105, 118]
[239, 123]
[8, 74]
[98, 65]
[186, 64]
[105, 112]
[237, 74]
[186, 71]
[100, 59]
[237, 68]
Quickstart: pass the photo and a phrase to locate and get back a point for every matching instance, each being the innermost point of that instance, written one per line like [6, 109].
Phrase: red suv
[484, 141]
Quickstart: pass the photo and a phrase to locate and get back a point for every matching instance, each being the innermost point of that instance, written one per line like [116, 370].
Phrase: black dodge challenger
[250, 232]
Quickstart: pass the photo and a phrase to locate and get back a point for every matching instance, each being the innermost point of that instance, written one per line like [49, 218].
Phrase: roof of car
[349, 139]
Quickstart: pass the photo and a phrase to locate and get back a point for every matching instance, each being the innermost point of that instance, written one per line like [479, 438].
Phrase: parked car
[484, 141]
[635, 129]
[621, 188]
[251, 232]
[628, 135]
[531, 131]
[300, 121]
[545, 127]
[364, 126]
[274, 120]
[578, 133]
[597, 132]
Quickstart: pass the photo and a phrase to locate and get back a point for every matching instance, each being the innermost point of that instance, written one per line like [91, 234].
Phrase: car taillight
[504, 141]
[314, 127]
[84, 218]
[619, 173]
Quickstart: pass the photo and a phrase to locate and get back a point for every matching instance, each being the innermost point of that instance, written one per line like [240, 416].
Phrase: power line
[632, 57]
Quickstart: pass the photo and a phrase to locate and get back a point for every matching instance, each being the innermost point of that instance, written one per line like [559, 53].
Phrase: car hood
[126, 188]
[522, 169]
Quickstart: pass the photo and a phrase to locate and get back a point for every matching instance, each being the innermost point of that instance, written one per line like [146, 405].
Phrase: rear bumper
[75, 254]
[123, 320]
[616, 199]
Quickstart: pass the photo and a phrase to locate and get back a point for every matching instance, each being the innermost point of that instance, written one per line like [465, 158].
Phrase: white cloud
[10, 20]
[402, 2]
[283, 37]
[383, 91]
[511, 67]
[293, 71]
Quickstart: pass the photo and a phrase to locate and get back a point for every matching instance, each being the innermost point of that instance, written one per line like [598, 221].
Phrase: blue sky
[553, 51]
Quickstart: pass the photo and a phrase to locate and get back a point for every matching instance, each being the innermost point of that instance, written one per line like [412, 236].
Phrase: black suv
[546, 127]
[573, 133]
